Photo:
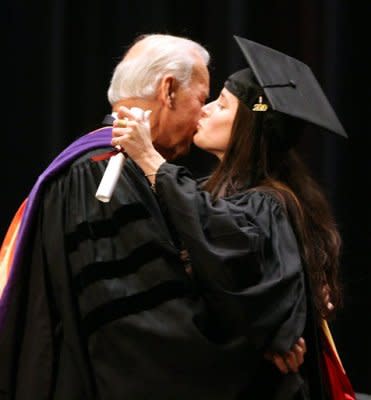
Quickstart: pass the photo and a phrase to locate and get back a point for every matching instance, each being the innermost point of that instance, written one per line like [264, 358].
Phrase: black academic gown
[244, 251]
[109, 312]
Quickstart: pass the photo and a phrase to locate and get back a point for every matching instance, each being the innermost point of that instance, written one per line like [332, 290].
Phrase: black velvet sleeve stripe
[106, 228]
[136, 303]
[122, 267]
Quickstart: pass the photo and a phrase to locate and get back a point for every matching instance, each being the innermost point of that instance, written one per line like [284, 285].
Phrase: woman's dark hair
[260, 157]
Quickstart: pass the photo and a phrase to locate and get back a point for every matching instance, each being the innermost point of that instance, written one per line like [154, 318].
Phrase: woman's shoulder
[264, 207]
[263, 199]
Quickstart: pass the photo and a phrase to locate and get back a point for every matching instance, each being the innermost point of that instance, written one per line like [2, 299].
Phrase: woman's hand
[132, 132]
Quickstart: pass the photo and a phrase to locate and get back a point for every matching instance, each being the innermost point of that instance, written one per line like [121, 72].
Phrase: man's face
[179, 123]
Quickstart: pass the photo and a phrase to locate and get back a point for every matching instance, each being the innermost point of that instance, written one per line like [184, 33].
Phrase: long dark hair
[260, 156]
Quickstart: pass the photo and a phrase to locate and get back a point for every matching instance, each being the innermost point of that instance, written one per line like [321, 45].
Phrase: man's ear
[167, 89]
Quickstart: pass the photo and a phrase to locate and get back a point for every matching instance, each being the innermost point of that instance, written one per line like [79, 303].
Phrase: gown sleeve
[244, 254]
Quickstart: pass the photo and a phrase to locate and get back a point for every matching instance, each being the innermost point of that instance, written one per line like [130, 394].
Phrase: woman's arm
[243, 252]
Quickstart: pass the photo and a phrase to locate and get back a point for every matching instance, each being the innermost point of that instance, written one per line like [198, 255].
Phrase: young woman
[261, 238]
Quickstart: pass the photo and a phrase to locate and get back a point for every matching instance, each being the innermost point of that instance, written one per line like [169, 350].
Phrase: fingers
[279, 362]
[134, 135]
[117, 132]
[119, 139]
[124, 123]
[285, 363]
[124, 112]
[122, 128]
[302, 344]
[295, 358]
[290, 361]
[299, 354]
[120, 123]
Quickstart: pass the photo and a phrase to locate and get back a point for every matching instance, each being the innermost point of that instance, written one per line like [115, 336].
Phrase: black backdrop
[59, 56]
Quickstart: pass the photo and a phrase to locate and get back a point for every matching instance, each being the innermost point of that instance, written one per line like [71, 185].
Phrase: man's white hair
[139, 75]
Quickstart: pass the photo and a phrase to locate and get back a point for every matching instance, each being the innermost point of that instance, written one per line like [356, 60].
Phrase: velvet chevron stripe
[135, 303]
[112, 269]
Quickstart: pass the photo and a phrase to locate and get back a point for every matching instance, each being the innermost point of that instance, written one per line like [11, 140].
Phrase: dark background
[59, 57]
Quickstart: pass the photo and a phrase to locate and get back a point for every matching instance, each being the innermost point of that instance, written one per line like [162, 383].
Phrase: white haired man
[99, 304]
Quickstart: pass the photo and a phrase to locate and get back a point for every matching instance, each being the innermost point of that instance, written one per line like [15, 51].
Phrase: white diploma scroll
[115, 164]
[110, 177]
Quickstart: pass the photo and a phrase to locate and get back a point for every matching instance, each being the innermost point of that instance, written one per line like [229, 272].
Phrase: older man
[99, 305]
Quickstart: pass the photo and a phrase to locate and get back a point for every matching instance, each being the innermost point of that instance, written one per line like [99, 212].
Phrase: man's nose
[205, 110]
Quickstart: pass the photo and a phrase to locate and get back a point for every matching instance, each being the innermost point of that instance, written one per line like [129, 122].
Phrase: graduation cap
[287, 83]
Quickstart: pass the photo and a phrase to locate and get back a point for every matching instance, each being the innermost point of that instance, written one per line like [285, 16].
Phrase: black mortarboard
[287, 83]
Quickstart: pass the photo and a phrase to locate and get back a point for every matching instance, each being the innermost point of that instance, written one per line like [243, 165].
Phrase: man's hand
[292, 360]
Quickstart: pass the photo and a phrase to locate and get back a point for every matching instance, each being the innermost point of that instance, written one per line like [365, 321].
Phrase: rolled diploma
[115, 164]
[110, 177]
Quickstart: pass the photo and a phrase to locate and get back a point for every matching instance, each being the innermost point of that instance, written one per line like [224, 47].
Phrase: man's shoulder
[99, 154]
